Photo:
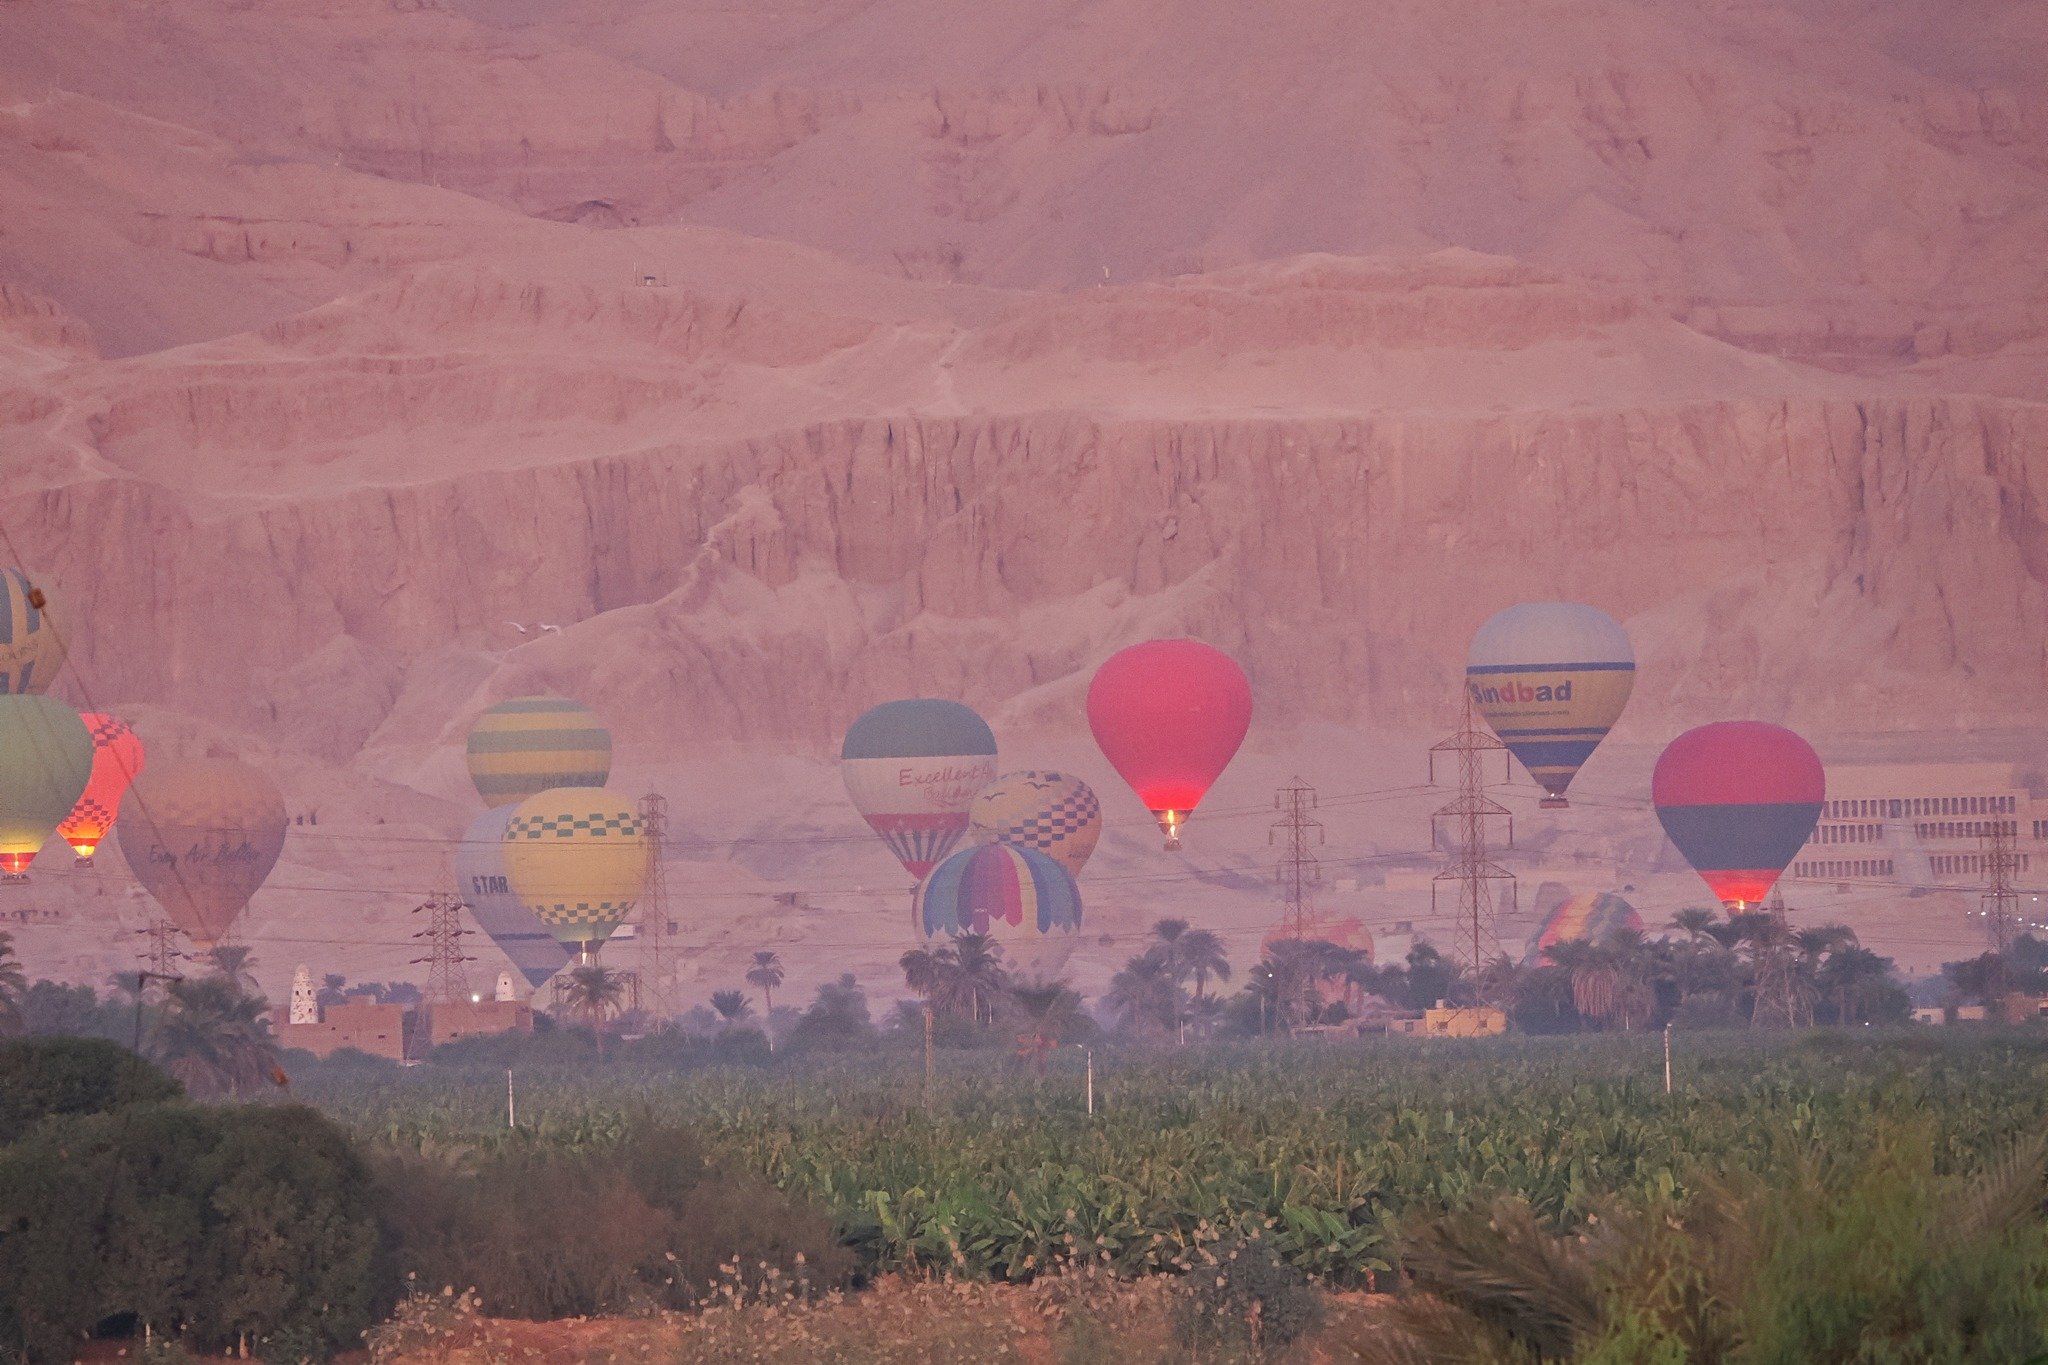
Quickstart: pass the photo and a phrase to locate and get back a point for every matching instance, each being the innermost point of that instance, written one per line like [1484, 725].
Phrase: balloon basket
[11, 877]
[1173, 843]
[1553, 803]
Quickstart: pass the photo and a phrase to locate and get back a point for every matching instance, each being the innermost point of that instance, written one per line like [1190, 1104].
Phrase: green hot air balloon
[45, 762]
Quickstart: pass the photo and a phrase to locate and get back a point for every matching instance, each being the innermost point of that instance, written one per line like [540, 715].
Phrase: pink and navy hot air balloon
[1169, 716]
[1739, 798]
[913, 767]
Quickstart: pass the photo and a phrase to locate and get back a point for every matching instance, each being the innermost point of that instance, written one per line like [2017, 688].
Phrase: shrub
[217, 1225]
[640, 1221]
[1244, 1295]
[40, 1077]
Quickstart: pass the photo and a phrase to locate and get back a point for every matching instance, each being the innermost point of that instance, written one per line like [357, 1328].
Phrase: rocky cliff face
[363, 363]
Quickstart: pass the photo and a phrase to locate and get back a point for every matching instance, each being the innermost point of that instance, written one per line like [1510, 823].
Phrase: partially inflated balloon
[45, 762]
[912, 768]
[485, 885]
[1018, 896]
[1551, 678]
[577, 857]
[1169, 716]
[525, 746]
[30, 653]
[1739, 798]
[1583, 919]
[201, 835]
[116, 762]
[1052, 813]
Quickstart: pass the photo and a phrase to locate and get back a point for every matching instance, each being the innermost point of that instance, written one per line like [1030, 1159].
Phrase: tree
[1858, 984]
[934, 973]
[42, 1077]
[765, 975]
[232, 960]
[215, 1039]
[1144, 996]
[837, 1019]
[594, 994]
[1050, 1014]
[13, 986]
[1292, 971]
[983, 978]
[1202, 952]
[732, 1006]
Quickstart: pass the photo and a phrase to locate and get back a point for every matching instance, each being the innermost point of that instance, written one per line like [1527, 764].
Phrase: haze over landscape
[733, 369]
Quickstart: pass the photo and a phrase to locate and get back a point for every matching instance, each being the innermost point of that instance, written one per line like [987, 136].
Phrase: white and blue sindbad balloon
[1551, 678]
[486, 887]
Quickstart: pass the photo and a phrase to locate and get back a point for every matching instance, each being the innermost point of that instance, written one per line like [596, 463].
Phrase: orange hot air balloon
[116, 761]
[213, 831]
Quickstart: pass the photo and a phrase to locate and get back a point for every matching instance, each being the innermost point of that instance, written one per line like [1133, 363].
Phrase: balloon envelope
[912, 768]
[1020, 897]
[1551, 678]
[1052, 813]
[1169, 715]
[485, 884]
[45, 762]
[525, 746]
[1583, 919]
[1739, 798]
[201, 835]
[577, 858]
[116, 762]
[30, 653]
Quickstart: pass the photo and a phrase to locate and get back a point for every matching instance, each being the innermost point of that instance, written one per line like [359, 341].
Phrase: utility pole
[655, 948]
[447, 979]
[1298, 873]
[162, 953]
[1460, 830]
[1999, 902]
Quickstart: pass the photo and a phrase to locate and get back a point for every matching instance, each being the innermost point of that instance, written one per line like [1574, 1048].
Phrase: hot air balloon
[912, 768]
[525, 746]
[116, 760]
[578, 858]
[1055, 813]
[45, 762]
[1020, 897]
[1551, 678]
[201, 835]
[1739, 798]
[485, 885]
[30, 654]
[1169, 715]
[1583, 919]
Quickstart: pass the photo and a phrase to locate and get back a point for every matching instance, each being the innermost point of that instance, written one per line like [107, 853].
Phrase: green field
[1325, 1147]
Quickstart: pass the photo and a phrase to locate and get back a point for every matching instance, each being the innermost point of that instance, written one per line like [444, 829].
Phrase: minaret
[305, 1004]
[505, 987]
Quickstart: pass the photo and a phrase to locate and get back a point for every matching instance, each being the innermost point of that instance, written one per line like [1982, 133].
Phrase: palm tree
[1849, 973]
[983, 978]
[13, 986]
[1695, 922]
[232, 961]
[1170, 947]
[594, 993]
[215, 1038]
[933, 973]
[1295, 967]
[1144, 994]
[1202, 953]
[765, 975]
[1050, 1012]
[732, 1006]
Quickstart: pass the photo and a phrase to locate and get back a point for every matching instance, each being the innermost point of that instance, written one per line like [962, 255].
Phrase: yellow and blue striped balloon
[30, 653]
[1551, 678]
[528, 745]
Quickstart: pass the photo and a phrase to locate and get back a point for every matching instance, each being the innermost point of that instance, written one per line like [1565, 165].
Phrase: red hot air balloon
[1739, 798]
[1169, 715]
[116, 759]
